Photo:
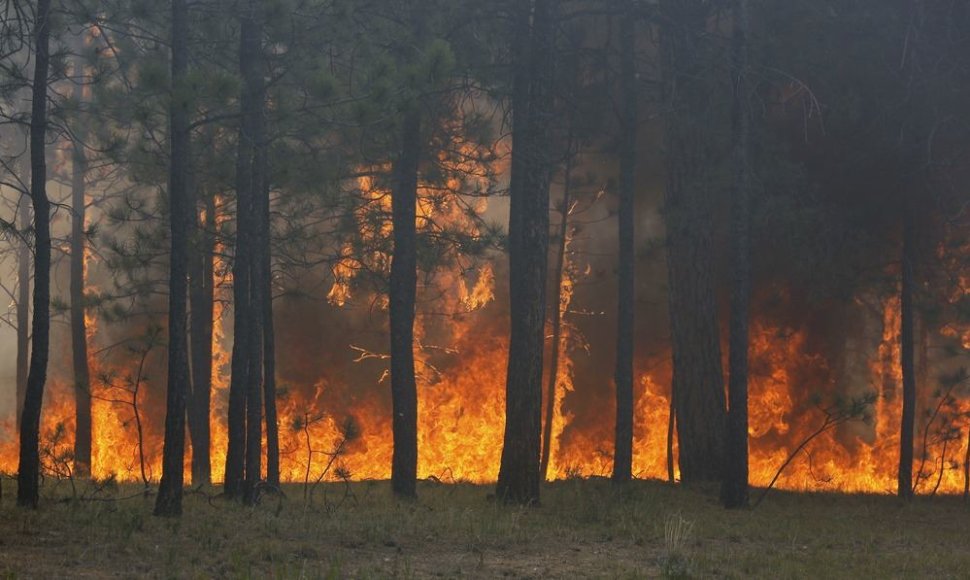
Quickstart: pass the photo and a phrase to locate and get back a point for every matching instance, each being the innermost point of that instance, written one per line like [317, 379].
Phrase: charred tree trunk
[518, 479]
[243, 461]
[557, 314]
[626, 262]
[242, 327]
[28, 474]
[734, 487]
[253, 77]
[79, 330]
[169, 500]
[269, 336]
[698, 383]
[254, 407]
[403, 292]
[242, 274]
[201, 297]
[908, 356]
[23, 309]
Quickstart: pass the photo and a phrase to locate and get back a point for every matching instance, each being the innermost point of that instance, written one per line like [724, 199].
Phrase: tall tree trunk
[244, 382]
[269, 337]
[626, 261]
[557, 314]
[518, 479]
[907, 350]
[201, 297]
[698, 382]
[243, 464]
[734, 487]
[79, 330]
[403, 291]
[28, 473]
[169, 500]
[253, 76]
[239, 365]
[23, 309]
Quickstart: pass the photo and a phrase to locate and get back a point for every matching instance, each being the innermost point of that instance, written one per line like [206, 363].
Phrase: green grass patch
[584, 528]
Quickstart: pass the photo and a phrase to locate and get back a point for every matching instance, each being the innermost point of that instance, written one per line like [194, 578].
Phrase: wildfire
[799, 406]
[461, 422]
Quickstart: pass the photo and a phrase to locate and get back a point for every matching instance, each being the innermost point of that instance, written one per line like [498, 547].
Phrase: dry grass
[583, 529]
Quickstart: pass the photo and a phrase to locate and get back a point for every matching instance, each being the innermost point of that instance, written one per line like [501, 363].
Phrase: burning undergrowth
[825, 387]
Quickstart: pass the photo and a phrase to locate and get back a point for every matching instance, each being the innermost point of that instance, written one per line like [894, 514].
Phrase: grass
[584, 528]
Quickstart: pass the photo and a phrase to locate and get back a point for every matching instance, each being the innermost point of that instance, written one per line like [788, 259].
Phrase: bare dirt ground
[582, 529]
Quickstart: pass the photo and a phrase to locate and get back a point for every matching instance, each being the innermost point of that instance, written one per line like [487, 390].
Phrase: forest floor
[584, 528]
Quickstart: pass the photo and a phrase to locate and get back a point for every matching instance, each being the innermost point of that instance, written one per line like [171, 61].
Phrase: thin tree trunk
[202, 296]
[28, 473]
[254, 412]
[79, 331]
[269, 338]
[626, 263]
[734, 487]
[136, 412]
[169, 500]
[251, 231]
[557, 315]
[239, 379]
[403, 291]
[243, 381]
[518, 479]
[698, 382]
[23, 309]
[907, 350]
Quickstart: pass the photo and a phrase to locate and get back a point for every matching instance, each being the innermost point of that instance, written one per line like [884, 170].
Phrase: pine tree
[28, 472]
[533, 60]
[734, 486]
[698, 384]
[169, 500]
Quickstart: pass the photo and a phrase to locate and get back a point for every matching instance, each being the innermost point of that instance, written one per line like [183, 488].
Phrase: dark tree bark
[239, 379]
[698, 383]
[518, 479]
[244, 461]
[23, 309]
[907, 353]
[263, 281]
[269, 339]
[557, 315]
[403, 291]
[253, 77]
[245, 378]
[169, 500]
[28, 473]
[201, 297]
[79, 330]
[626, 263]
[734, 487]
[254, 412]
